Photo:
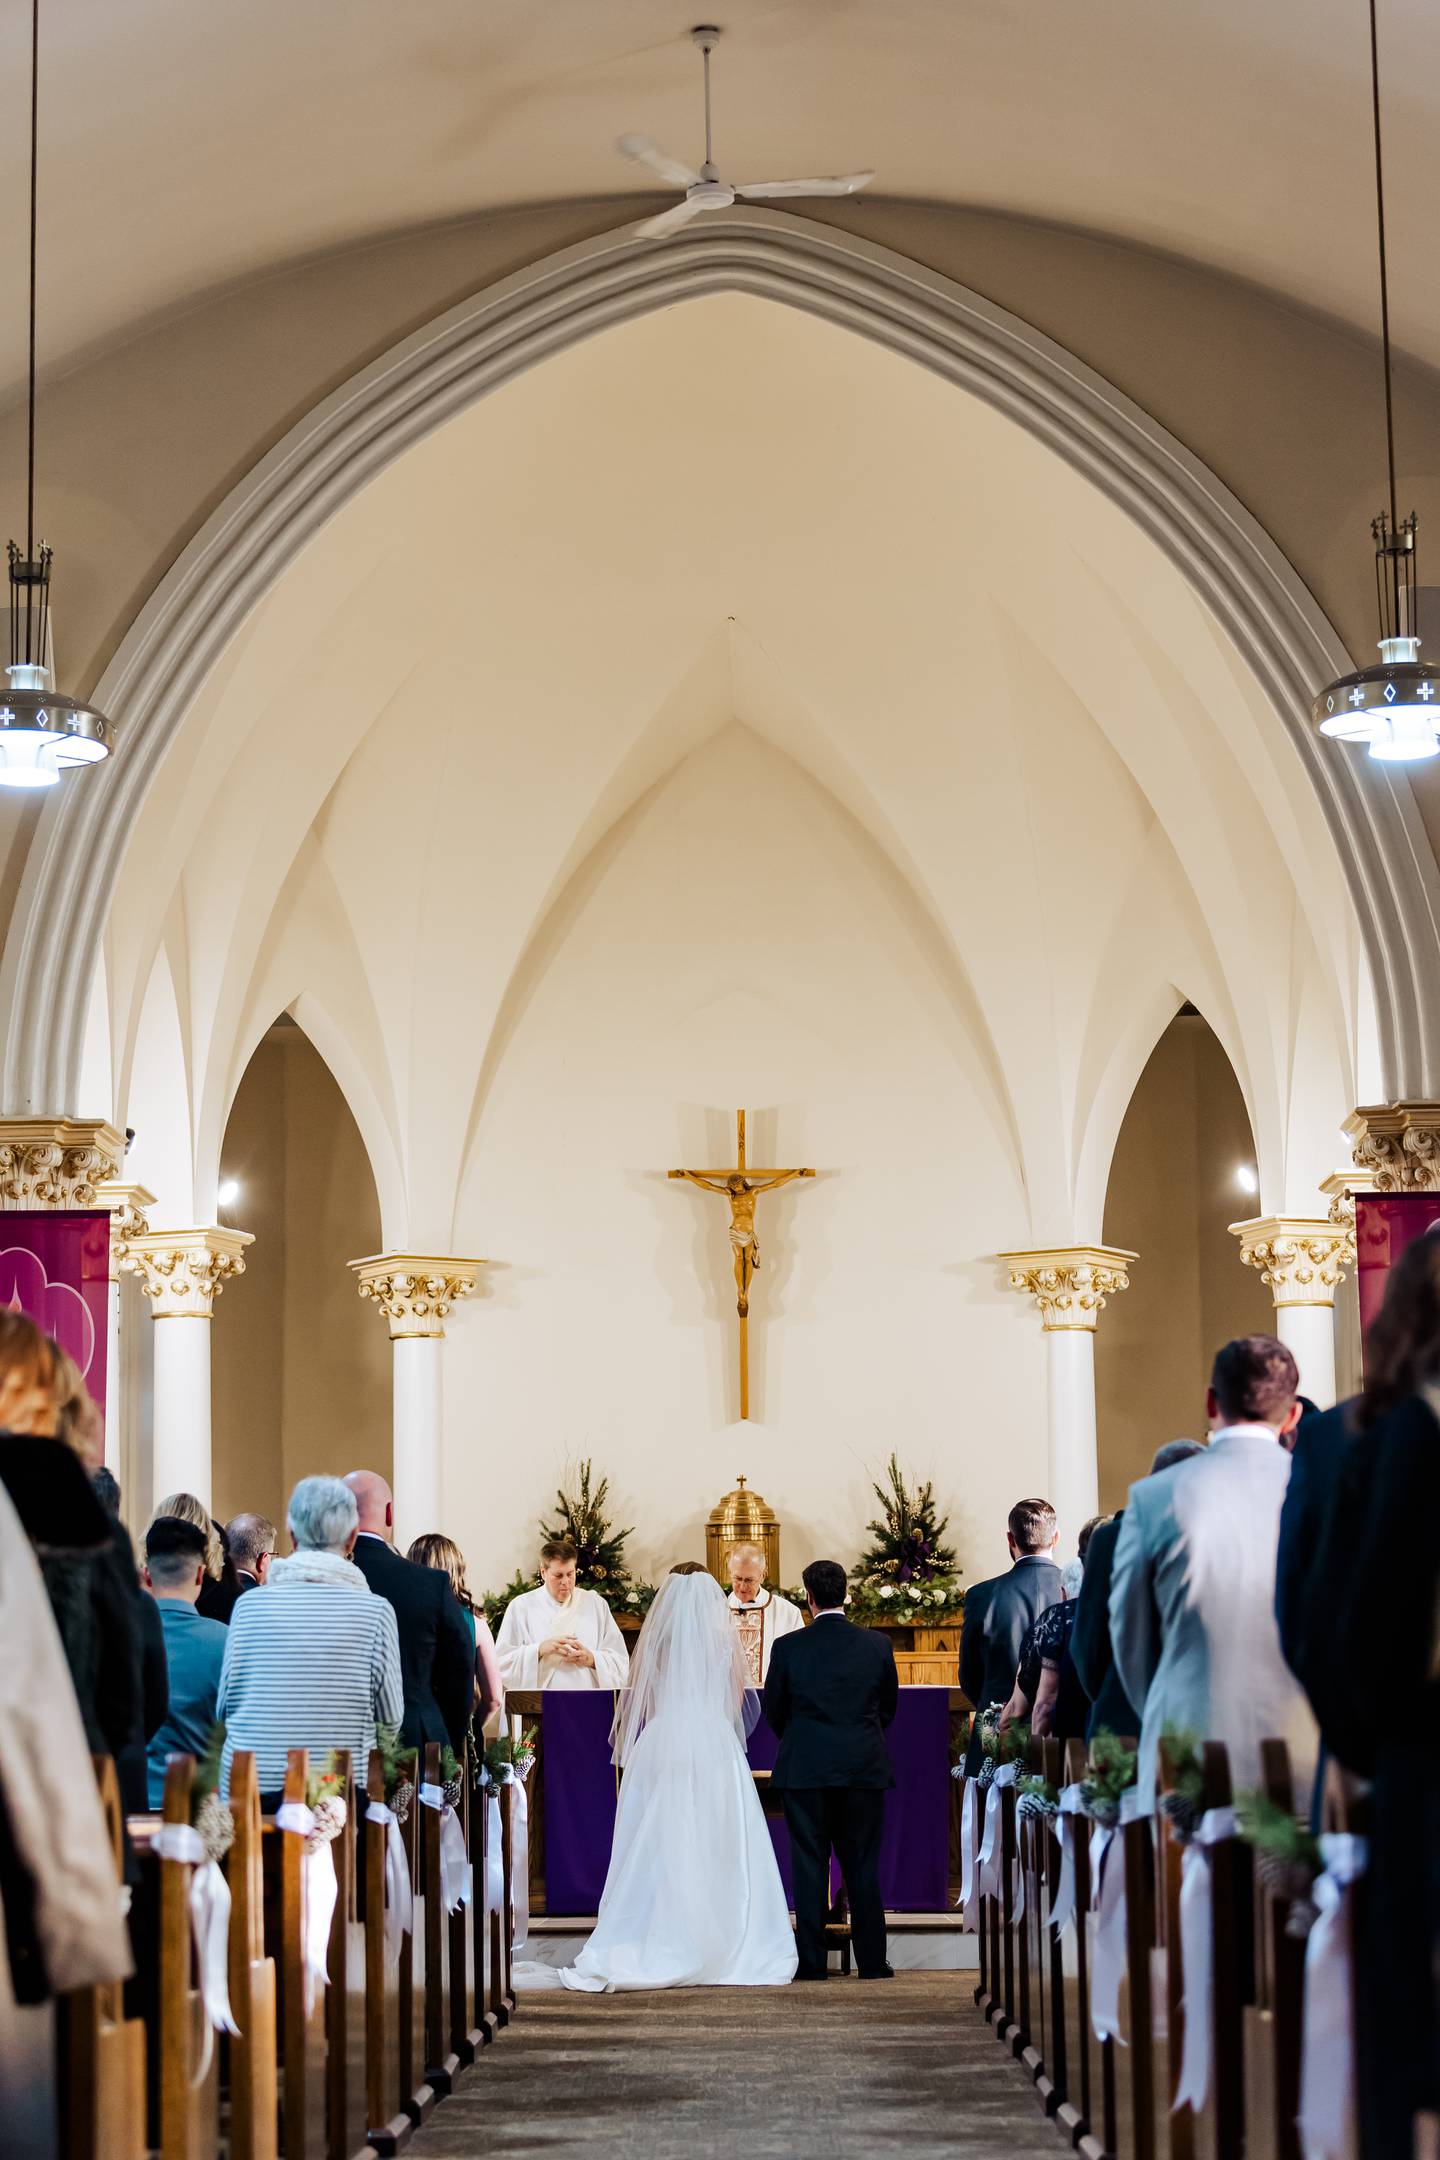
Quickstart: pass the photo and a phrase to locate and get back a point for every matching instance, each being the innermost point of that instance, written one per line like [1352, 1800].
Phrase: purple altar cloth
[580, 1801]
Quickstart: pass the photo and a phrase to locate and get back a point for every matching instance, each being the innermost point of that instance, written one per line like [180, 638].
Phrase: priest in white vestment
[760, 1614]
[560, 1636]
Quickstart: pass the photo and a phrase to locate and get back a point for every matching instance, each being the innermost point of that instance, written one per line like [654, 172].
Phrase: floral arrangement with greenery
[907, 1570]
[325, 1798]
[1287, 1855]
[507, 1752]
[209, 1813]
[398, 1767]
[599, 1553]
[1038, 1797]
[1111, 1771]
[1183, 1801]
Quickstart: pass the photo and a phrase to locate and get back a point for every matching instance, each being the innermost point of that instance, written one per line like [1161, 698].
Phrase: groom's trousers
[849, 1822]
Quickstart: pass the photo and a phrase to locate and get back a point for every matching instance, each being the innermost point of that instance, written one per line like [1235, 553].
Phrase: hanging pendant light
[42, 733]
[1393, 708]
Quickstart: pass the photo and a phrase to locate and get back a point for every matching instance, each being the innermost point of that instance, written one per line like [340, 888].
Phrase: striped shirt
[310, 1663]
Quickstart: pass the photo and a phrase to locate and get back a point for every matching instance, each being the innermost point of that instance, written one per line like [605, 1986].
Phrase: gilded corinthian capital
[1070, 1283]
[56, 1162]
[182, 1272]
[1301, 1259]
[1397, 1145]
[415, 1291]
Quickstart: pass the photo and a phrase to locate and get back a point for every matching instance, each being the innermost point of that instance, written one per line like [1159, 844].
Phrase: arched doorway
[301, 1373]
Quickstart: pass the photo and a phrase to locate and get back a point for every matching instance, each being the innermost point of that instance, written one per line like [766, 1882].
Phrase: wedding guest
[560, 1636]
[194, 1647]
[1000, 1611]
[1047, 1688]
[761, 1615]
[252, 1540]
[1110, 1708]
[130, 1762]
[1378, 1573]
[220, 1589]
[315, 1662]
[1192, 1599]
[435, 1551]
[437, 1653]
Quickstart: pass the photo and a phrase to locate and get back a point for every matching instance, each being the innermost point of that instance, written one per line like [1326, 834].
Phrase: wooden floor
[834, 2072]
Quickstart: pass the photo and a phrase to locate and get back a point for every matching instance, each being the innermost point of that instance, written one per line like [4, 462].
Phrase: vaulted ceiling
[185, 147]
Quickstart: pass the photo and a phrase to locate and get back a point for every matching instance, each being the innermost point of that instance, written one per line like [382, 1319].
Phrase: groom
[831, 1691]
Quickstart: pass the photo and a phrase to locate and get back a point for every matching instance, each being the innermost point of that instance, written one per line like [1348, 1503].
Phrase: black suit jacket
[831, 1691]
[437, 1660]
[1111, 1709]
[999, 1614]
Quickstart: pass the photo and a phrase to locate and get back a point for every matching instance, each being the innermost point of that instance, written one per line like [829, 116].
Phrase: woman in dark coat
[1373, 1643]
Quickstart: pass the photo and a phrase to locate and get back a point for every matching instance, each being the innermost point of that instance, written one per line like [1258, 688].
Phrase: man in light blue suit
[194, 1647]
[1192, 1596]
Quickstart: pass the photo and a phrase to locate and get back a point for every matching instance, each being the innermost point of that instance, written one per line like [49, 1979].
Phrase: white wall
[744, 943]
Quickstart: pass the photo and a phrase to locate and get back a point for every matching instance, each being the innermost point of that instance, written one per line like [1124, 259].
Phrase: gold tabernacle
[742, 1518]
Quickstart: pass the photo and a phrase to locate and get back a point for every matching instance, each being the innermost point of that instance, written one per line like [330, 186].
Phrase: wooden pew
[390, 2123]
[1220, 2128]
[345, 2095]
[253, 2100]
[1137, 2127]
[442, 2063]
[1273, 2020]
[303, 2077]
[1178, 2131]
[1052, 2077]
[100, 2053]
[189, 2112]
[487, 2022]
[507, 1928]
[466, 2039]
[1031, 1836]
[417, 2094]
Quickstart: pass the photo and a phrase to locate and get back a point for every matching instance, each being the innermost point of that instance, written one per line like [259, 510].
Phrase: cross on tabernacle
[742, 1186]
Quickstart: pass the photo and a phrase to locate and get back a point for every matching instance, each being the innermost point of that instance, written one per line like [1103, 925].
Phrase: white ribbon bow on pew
[519, 1855]
[454, 1862]
[1072, 1810]
[1215, 1826]
[968, 1902]
[1107, 1899]
[318, 1893]
[1327, 2051]
[209, 1902]
[399, 1901]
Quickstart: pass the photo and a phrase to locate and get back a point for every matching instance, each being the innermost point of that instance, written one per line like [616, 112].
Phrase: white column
[415, 1292]
[1070, 1285]
[1301, 1258]
[127, 1205]
[182, 1272]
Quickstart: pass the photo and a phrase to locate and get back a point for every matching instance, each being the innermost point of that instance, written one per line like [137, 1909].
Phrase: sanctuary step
[919, 1942]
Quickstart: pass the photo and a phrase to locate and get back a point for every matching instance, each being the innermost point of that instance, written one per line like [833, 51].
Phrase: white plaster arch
[328, 457]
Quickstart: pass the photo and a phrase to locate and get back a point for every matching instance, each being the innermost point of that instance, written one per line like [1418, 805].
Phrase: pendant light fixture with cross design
[1394, 709]
[42, 733]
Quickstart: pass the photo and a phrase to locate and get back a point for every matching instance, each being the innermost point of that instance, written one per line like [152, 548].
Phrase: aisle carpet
[799, 2073]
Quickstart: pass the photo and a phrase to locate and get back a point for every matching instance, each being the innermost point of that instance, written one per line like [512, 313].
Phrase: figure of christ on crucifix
[742, 1187]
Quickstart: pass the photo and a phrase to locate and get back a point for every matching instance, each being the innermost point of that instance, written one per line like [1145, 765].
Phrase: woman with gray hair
[313, 1659]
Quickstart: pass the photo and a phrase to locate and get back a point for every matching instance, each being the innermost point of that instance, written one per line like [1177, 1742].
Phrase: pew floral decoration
[1038, 1799]
[325, 1798]
[210, 1816]
[398, 1765]
[509, 1752]
[1288, 1858]
[960, 1747]
[1182, 1803]
[452, 1777]
[1110, 1773]
[998, 1746]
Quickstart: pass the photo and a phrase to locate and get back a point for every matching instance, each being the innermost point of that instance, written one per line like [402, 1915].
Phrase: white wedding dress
[692, 1897]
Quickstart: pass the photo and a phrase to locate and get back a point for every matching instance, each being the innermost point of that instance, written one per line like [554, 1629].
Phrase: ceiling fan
[705, 190]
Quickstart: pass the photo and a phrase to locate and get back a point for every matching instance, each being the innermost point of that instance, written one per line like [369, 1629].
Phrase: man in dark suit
[831, 1691]
[253, 1539]
[1000, 1613]
[437, 1656]
[1111, 1709]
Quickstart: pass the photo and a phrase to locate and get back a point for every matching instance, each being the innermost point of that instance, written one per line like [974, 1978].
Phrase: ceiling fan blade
[844, 184]
[669, 221]
[644, 152]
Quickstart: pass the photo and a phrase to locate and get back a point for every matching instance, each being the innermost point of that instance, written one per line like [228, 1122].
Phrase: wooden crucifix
[742, 1186]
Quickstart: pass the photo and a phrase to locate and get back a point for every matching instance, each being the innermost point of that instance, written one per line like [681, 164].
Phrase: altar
[574, 1788]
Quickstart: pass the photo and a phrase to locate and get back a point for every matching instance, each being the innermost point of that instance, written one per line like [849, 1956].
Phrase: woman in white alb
[693, 1896]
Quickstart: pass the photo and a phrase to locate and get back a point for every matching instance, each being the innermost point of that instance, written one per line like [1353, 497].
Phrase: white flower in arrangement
[914, 1593]
[886, 1590]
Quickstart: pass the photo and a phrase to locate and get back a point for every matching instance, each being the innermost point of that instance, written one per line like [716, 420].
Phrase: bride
[693, 1896]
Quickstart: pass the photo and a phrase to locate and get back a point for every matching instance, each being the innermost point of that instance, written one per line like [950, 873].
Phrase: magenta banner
[1385, 1223]
[56, 1268]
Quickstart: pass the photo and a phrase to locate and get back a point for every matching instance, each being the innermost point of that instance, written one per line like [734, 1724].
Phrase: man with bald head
[437, 1657]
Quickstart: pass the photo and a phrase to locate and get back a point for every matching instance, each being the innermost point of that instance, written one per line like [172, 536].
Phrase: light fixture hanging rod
[1384, 272]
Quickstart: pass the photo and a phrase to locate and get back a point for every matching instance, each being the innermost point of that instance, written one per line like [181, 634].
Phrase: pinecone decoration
[452, 1789]
[329, 1819]
[1301, 1918]
[1183, 1815]
[402, 1799]
[1283, 1877]
[216, 1826]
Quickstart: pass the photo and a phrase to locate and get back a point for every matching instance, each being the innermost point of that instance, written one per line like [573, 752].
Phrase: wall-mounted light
[229, 1192]
[1246, 1179]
